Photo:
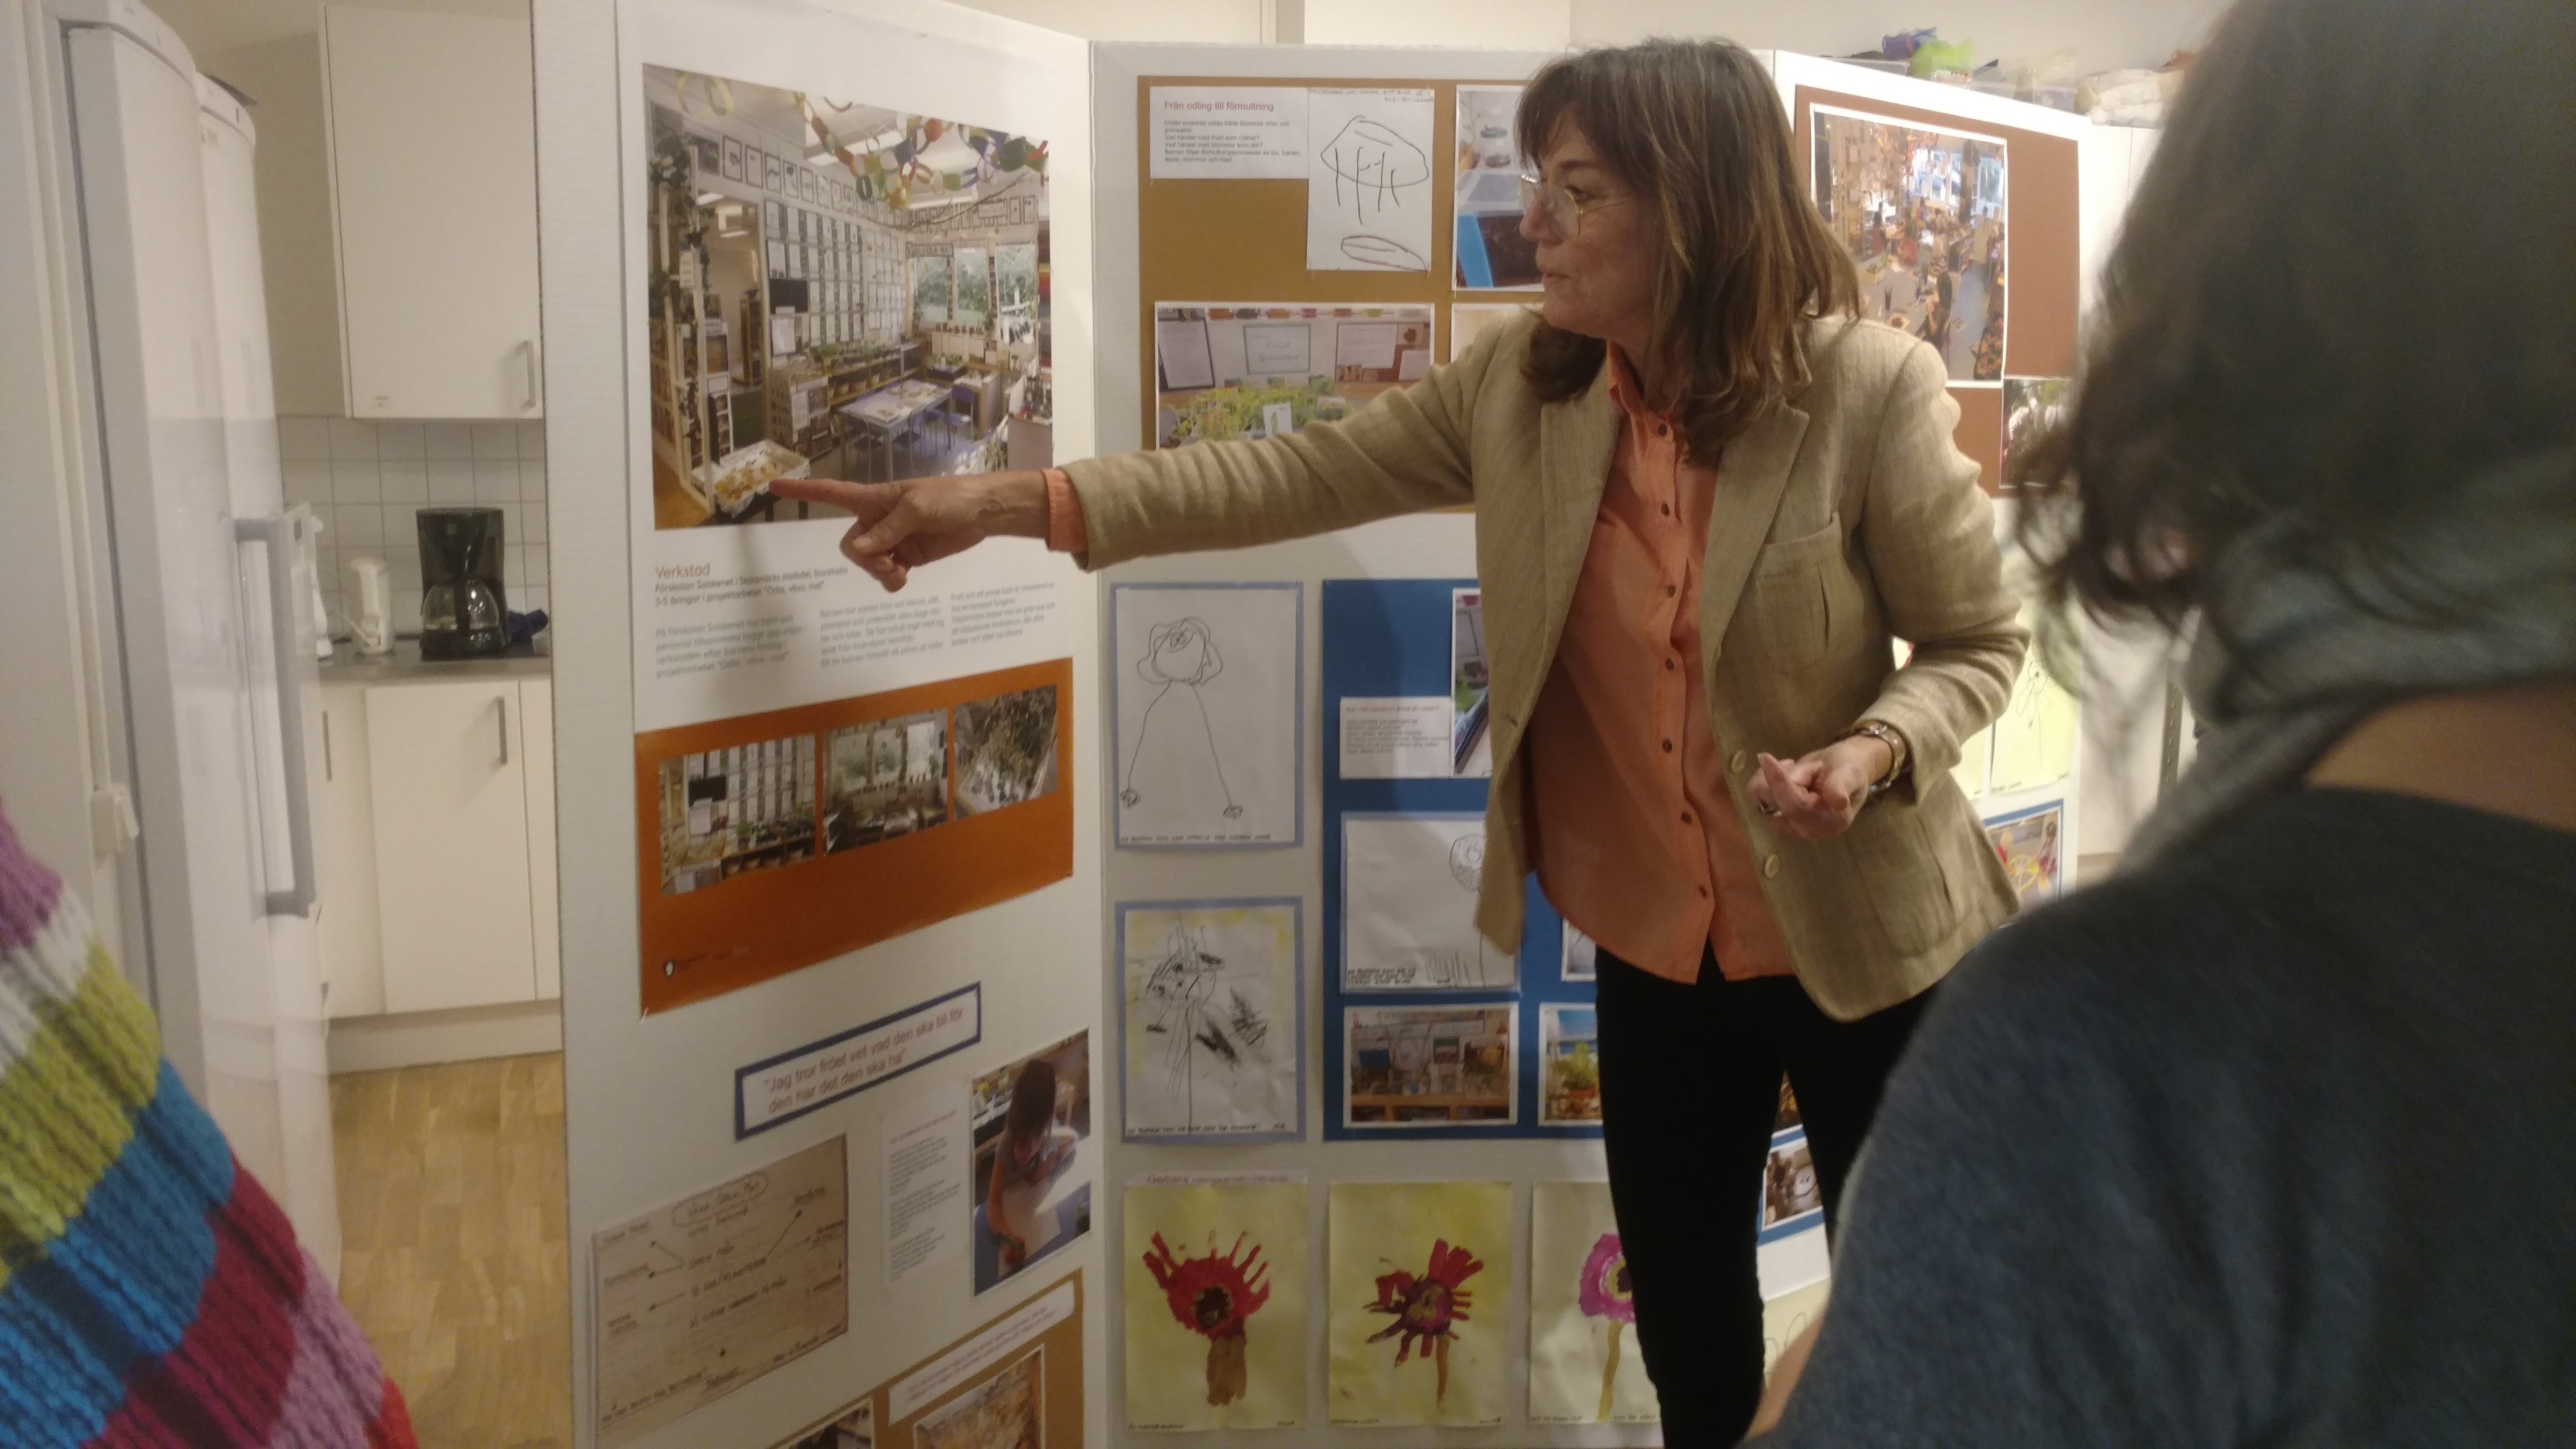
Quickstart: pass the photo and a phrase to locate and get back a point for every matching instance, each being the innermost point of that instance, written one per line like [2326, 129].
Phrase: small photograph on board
[1491, 253]
[1006, 1411]
[1470, 320]
[1418, 1326]
[1569, 1053]
[1790, 1190]
[772, 175]
[2028, 842]
[1922, 213]
[1207, 679]
[741, 808]
[2032, 406]
[1031, 1183]
[1216, 1305]
[1212, 1044]
[1471, 743]
[1788, 1116]
[1369, 198]
[1259, 370]
[732, 159]
[1582, 956]
[889, 777]
[1006, 750]
[1583, 1365]
[1430, 1066]
[1409, 886]
[853, 1428]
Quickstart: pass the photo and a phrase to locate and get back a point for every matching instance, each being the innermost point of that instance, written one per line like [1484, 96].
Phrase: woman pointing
[1706, 499]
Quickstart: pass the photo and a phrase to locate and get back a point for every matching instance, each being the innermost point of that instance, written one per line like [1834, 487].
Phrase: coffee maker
[463, 613]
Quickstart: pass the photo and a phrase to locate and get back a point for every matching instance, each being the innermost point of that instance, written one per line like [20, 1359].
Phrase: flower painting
[1212, 1296]
[1216, 1338]
[1427, 1309]
[1604, 1294]
[1581, 1308]
[1411, 1262]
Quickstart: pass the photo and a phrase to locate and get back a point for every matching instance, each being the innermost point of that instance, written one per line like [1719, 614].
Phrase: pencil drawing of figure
[1203, 1022]
[1181, 656]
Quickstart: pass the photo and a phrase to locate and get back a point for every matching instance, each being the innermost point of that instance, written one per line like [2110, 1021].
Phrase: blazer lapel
[1577, 441]
[1751, 479]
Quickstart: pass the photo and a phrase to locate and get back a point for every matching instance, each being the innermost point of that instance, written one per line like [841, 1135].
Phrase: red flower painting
[1213, 1297]
[1604, 1293]
[1428, 1308]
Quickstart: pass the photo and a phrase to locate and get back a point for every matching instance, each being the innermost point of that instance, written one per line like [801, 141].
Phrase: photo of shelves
[836, 291]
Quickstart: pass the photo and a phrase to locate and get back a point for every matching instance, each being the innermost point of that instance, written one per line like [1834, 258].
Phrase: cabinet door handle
[504, 703]
[329, 775]
[528, 360]
[277, 536]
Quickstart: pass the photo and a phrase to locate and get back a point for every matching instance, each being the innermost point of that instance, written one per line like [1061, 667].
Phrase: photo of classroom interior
[836, 291]
[1922, 214]
[1262, 370]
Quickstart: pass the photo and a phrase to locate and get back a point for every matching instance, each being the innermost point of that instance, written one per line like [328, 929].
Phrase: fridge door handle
[528, 360]
[277, 536]
[504, 703]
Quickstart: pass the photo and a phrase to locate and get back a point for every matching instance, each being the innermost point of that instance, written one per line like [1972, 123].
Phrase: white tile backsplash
[366, 481]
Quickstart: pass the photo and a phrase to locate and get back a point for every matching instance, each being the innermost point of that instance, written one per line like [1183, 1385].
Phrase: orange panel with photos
[770, 842]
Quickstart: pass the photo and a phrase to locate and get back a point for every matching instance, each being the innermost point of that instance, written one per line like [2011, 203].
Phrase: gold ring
[1766, 807]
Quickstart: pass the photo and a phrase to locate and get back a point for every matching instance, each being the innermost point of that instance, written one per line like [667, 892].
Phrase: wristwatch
[1898, 755]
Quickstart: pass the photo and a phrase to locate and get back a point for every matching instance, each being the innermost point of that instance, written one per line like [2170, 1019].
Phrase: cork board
[2043, 221]
[1245, 241]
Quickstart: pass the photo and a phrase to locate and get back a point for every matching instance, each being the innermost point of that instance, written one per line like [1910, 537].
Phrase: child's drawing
[1211, 1042]
[1179, 655]
[1369, 202]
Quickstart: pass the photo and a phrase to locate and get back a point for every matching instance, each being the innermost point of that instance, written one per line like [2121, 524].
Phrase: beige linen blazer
[1843, 520]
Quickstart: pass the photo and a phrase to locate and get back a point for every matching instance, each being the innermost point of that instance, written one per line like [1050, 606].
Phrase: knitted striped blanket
[151, 1293]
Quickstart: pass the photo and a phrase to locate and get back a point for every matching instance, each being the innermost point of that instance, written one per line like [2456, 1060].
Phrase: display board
[831, 1091]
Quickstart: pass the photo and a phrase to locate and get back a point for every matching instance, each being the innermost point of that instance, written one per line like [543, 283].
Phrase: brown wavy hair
[2342, 288]
[1695, 129]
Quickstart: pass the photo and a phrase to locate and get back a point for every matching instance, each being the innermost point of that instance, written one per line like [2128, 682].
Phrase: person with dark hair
[2336, 977]
[1030, 1150]
[1707, 498]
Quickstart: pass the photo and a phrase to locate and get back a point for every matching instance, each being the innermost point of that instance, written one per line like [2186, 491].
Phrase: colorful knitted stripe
[151, 1292]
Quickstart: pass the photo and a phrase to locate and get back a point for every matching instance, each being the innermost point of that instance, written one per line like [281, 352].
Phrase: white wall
[1234, 22]
[1482, 24]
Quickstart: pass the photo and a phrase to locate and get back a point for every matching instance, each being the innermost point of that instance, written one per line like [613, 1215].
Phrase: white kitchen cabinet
[344, 868]
[433, 165]
[537, 734]
[448, 767]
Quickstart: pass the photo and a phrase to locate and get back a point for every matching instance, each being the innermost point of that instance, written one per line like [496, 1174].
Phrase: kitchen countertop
[405, 666]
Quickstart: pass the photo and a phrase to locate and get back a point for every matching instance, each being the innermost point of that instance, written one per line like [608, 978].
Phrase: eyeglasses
[1558, 205]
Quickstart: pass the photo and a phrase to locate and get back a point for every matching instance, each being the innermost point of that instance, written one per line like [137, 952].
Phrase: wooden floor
[452, 1207]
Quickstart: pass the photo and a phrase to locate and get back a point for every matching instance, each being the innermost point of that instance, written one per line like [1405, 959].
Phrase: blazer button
[1740, 763]
[1770, 867]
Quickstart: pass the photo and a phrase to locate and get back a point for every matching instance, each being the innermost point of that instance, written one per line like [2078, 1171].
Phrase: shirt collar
[1627, 392]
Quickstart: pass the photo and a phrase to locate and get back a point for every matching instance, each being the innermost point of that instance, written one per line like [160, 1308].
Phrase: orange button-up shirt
[1633, 832]
[1634, 837]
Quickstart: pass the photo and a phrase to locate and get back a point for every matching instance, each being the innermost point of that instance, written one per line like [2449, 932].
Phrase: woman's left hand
[1817, 796]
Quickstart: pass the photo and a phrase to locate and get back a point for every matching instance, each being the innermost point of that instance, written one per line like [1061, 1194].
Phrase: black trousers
[1690, 1086]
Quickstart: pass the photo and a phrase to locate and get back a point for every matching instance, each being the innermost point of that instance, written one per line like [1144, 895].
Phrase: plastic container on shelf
[2056, 98]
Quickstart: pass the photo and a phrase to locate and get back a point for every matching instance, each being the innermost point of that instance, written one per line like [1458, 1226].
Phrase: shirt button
[1668, 747]
[1770, 867]
[1703, 893]
[1661, 430]
[1686, 817]
[1671, 589]
[1672, 664]
[1668, 510]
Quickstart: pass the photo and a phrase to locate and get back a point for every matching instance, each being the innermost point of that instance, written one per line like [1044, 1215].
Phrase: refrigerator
[210, 661]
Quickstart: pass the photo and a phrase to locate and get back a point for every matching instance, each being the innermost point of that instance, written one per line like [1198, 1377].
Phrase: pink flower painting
[1604, 1293]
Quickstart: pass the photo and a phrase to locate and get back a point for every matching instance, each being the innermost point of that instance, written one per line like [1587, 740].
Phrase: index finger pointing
[859, 498]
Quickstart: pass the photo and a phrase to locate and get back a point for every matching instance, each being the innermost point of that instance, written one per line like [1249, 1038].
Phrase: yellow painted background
[1167, 1363]
[1379, 1226]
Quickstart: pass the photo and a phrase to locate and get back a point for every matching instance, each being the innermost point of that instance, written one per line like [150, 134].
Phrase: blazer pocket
[1907, 881]
[1788, 593]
